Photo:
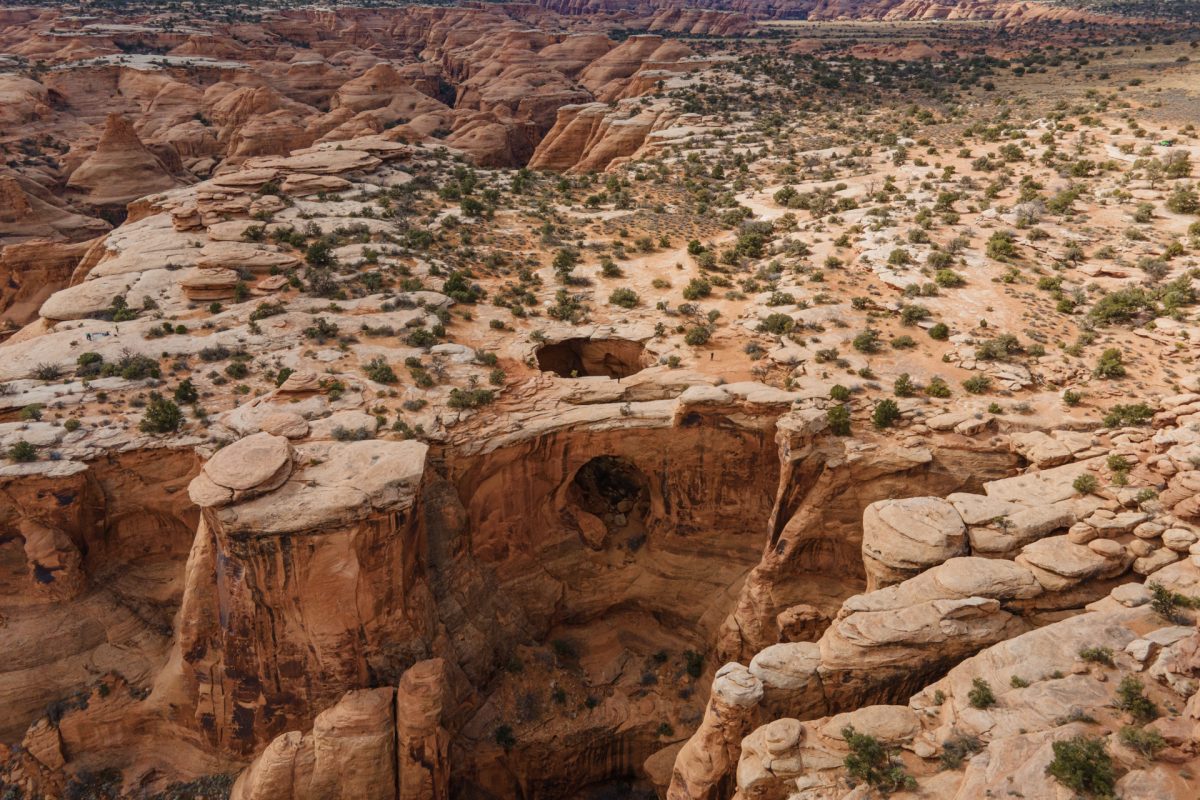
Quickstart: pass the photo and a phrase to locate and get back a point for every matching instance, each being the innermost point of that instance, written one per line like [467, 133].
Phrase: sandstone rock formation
[120, 169]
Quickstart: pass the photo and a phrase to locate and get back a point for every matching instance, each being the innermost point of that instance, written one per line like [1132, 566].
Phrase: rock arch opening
[580, 358]
[614, 490]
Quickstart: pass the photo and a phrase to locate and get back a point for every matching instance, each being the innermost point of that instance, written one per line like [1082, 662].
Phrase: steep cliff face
[343, 571]
[32, 271]
[592, 137]
[92, 579]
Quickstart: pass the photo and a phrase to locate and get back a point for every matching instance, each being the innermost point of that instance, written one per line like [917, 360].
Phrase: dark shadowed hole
[613, 489]
[580, 358]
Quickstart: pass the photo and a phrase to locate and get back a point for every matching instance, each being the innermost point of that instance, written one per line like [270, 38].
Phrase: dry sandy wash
[748, 400]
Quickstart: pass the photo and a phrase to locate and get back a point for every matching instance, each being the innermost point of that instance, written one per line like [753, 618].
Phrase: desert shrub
[874, 764]
[22, 451]
[1098, 655]
[1167, 603]
[948, 279]
[777, 324]
[186, 392]
[321, 330]
[697, 335]
[904, 386]
[1148, 743]
[886, 412]
[939, 331]
[867, 341]
[1124, 415]
[937, 387]
[1000, 348]
[378, 370]
[1132, 700]
[839, 393]
[912, 314]
[1083, 765]
[1121, 306]
[458, 286]
[47, 372]
[1085, 483]
[977, 384]
[470, 398]
[839, 420]
[1110, 364]
[957, 748]
[623, 297]
[697, 289]
[162, 415]
[1001, 245]
[981, 694]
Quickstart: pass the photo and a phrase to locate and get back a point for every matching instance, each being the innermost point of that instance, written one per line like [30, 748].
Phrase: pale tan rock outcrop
[209, 283]
[703, 765]
[350, 753]
[256, 465]
[232, 256]
[904, 537]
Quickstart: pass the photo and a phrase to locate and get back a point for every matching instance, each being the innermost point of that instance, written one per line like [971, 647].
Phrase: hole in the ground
[578, 358]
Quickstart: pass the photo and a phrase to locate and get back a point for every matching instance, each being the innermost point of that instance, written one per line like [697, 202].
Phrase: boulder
[903, 537]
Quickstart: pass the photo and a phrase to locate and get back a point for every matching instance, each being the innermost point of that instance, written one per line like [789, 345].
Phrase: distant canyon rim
[716, 400]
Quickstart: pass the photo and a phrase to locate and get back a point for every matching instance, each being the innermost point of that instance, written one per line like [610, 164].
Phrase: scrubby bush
[378, 370]
[777, 324]
[623, 297]
[162, 415]
[1125, 415]
[948, 279]
[839, 420]
[1110, 364]
[867, 341]
[22, 451]
[1146, 742]
[1098, 655]
[186, 392]
[938, 387]
[870, 762]
[470, 398]
[981, 694]
[886, 412]
[957, 748]
[697, 335]
[1083, 765]
[1132, 700]
[977, 384]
